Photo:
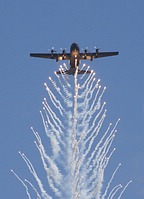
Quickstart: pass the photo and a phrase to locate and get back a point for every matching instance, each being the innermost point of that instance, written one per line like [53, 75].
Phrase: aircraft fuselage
[74, 55]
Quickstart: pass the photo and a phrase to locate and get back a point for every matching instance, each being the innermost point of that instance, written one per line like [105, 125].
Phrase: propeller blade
[96, 49]
[63, 50]
[85, 49]
[52, 50]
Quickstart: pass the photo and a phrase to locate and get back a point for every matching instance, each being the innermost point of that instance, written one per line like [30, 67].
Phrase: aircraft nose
[74, 46]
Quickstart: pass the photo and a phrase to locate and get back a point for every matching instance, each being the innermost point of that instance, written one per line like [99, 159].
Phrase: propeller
[52, 50]
[96, 49]
[85, 50]
[63, 50]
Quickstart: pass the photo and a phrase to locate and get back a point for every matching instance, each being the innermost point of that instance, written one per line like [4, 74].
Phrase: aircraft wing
[55, 56]
[91, 56]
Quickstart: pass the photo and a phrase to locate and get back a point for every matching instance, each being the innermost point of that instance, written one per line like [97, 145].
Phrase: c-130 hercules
[74, 57]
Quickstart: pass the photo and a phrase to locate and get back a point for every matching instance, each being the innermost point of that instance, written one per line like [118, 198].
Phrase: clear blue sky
[35, 26]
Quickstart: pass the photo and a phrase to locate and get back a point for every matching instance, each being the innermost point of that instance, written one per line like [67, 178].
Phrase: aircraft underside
[74, 62]
[72, 71]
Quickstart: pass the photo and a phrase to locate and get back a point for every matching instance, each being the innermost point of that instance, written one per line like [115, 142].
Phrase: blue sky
[36, 26]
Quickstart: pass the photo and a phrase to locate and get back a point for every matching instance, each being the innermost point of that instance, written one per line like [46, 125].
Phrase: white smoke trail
[73, 117]
[26, 188]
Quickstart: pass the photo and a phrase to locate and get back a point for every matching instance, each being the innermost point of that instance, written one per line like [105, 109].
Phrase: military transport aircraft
[74, 57]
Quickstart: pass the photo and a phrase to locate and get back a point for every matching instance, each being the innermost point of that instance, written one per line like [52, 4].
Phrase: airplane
[74, 57]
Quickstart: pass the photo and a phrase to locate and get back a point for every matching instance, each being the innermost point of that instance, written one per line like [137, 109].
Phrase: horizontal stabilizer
[72, 71]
